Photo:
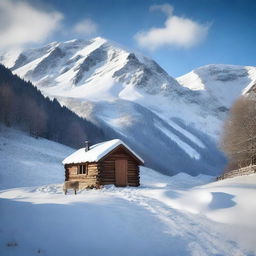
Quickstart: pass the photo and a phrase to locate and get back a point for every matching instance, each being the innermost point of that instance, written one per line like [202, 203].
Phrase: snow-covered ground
[180, 215]
[165, 216]
[27, 161]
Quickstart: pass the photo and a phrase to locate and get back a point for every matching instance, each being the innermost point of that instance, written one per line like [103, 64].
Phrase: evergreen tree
[24, 107]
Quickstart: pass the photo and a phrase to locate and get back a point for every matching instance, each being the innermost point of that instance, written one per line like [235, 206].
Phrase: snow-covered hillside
[134, 99]
[165, 216]
[178, 215]
[26, 161]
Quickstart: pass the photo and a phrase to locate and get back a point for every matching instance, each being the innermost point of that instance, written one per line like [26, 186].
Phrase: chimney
[86, 145]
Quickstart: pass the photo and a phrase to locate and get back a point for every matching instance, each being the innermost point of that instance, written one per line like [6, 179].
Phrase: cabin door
[121, 167]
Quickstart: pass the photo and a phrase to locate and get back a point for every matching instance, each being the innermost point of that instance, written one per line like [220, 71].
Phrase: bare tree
[239, 137]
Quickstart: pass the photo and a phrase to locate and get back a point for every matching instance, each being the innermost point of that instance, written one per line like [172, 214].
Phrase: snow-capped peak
[222, 82]
[62, 67]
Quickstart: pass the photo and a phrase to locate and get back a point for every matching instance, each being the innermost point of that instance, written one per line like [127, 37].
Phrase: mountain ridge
[125, 91]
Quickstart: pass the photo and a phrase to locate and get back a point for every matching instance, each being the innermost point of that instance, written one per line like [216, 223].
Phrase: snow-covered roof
[96, 152]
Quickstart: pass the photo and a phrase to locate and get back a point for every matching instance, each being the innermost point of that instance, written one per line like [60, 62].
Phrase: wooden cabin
[110, 162]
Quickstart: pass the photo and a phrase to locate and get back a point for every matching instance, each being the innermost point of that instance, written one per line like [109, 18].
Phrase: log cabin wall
[85, 180]
[107, 167]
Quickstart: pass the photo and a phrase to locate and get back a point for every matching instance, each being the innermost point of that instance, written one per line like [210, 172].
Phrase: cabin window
[82, 169]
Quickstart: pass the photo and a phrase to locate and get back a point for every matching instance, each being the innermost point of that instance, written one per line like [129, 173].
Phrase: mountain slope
[133, 98]
[27, 161]
[99, 70]
[24, 107]
[224, 83]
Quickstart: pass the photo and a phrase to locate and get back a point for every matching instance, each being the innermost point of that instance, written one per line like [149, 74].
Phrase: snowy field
[180, 215]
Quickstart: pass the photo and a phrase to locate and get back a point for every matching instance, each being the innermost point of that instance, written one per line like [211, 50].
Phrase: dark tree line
[24, 107]
[239, 136]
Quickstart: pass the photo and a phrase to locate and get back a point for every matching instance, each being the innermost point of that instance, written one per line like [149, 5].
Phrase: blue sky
[199, 32]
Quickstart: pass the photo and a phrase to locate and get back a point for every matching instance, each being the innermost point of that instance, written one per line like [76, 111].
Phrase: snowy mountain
[23, 106]
[223, 83]
[172, 123]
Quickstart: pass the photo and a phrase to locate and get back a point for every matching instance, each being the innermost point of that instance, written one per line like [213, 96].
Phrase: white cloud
[165, 8]
[85, 27]
[177, 31]
[21, 23]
